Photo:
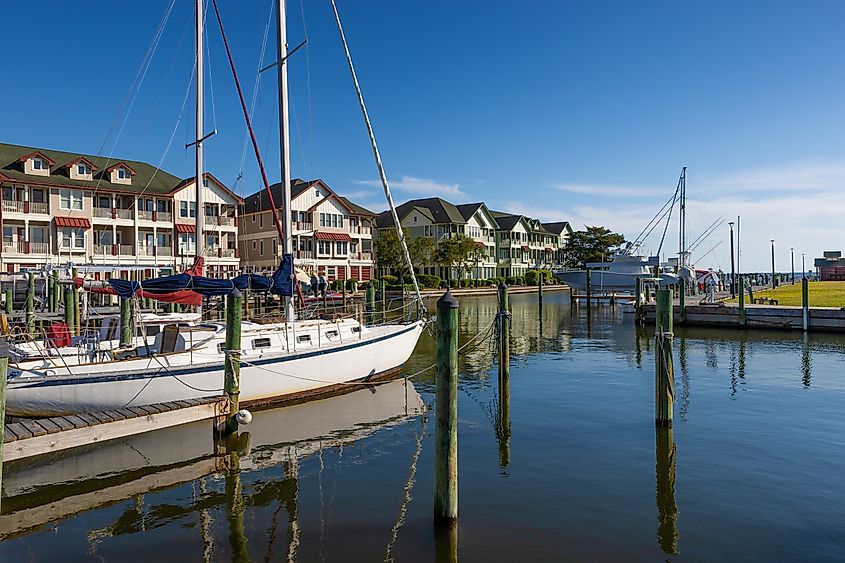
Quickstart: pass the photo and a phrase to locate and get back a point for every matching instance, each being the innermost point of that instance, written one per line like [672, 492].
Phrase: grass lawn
[822, 294]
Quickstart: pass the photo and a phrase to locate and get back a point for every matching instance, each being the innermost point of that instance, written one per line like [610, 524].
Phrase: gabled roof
[506, 221]
[147, 177]
[260, 201]
[187, 181]
[357, 209]
[49, 160]
[438, 210]
[121, 164]
[83, 160]
[558, 227]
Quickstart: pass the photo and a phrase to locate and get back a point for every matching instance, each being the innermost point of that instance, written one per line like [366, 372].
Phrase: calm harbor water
[752, 470]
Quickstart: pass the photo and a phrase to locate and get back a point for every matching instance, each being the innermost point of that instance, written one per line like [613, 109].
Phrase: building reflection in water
[806, 362]
[685, 387]
[667, 509]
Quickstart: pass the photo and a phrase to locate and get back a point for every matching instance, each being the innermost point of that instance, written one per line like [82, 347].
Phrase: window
[353, 247]
[205, 182]
[37, 196]
[331, 334]
[104, 202]
[428, 231]
[123, 173]
[261, 343]
[70, 199]
[303, 338]
[161, 205]
[324, 247]
[254, 245]
[261, 221]
[275, 247]
[261, 247]
[7, 235]
[162, 240]
[40, 164]
[317, 193]
[72, 238]
[37, 234]
[253, 218]
[212, 241]
[188, 209]
[341, 248]
[82, 169]
[186, 243]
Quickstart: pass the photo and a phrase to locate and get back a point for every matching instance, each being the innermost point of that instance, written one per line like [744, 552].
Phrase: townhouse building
[59, 207]
[513, 244]
[330, 233]
[438, 219]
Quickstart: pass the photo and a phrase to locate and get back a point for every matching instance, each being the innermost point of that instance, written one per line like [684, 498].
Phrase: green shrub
[520, 280]
[428, 281]
[532, 277]
[390, 280]
[510, 280]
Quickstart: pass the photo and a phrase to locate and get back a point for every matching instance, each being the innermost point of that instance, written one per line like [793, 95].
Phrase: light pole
[792, 259]
[733, 270]
[803, 268]
[773, 264]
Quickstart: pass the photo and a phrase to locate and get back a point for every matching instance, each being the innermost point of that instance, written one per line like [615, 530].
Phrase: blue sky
[575, 110]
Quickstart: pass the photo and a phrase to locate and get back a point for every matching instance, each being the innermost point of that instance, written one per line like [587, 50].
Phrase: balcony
[303, 254]
[228, 253]
[123, 214]
[144, 250]
[360, 230]
[39, 207]
[220, 220]
[71, 249]
[302, 226]
[164, 251]
[39, 247]
[361, 255]
[13, 206]
[146, 216]
[164, 216]
[102, 212]
[22, 247]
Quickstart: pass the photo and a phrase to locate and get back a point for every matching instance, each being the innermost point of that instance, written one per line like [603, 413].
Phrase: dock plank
[8, 435]
[63, 423]
[33, 428]
[48, 425]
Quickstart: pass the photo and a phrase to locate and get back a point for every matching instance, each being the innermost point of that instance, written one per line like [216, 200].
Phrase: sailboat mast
[682, 231]
[284, 138]
[198, 182]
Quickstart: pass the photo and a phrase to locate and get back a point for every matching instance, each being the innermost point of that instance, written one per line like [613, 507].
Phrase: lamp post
[803, 268]
[773, 264]
[792, 259]
[733, 270]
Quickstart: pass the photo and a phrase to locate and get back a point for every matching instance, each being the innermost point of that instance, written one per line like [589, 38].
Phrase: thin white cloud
[805, 175]
[609, 190]
[420, 186]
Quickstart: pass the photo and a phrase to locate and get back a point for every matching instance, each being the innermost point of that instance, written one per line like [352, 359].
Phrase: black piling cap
[235, 292]
[447, 301]
[503, 284]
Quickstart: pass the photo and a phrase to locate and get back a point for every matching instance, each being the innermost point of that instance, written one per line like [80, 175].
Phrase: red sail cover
[182, 296]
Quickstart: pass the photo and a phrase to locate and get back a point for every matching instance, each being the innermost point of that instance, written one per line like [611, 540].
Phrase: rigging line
[256, 87]
[665, 228]
[406, 493]
[706, 234]
[654, 226]
[146, 67]
[655, 218]
[308, 90]
[210, 74]
[379, 165]
[698, 239]
[249, 126]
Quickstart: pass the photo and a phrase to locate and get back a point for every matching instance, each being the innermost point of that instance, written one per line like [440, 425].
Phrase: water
[751, 471]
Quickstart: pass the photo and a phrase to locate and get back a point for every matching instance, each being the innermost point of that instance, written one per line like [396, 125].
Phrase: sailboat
[289, 360]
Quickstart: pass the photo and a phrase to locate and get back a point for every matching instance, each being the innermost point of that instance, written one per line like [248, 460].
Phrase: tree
[472, 255]
[454, 253]
[389, 255]
[592, 245]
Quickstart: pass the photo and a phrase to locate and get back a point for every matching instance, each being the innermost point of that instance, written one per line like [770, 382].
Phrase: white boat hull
[151, 380]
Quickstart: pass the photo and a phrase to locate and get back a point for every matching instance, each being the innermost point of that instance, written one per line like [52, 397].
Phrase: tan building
[59, 207]
[330, 233]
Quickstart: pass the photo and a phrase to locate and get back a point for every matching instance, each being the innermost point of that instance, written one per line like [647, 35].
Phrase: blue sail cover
[279, 283]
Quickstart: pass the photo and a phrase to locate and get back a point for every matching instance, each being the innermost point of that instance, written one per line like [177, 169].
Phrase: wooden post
[504, 334]
[682, 293]
[232, 366]
[589, 287]
[664, 370]
[10, 301]
[77, 326]
[125, 322]
[343, 291]
[741, 301]
[30, 304]
[638, 300]
[383, 290]
[446, 409]
[69, 320]
[4, 365]
[805, 304]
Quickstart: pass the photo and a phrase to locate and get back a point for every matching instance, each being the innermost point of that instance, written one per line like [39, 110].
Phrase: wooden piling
[589, 287]
[446, 410]
[742, 319]
[540, 289]
[371, 301]
[682, 293]
[69, 320]
[805, 304]
[4, 366]
[232, 366]
[125, 322]
[667, 507]
[77, 323]
[10, 301]
[638, 301]
[664, 370]
[30, 303]
[504, 334]
[343, 292]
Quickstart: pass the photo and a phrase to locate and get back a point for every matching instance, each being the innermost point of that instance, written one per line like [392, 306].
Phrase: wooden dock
[24, 438]
[773, 317]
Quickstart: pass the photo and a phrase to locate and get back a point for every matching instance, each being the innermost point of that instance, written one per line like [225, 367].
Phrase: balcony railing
[102, 250]
[303, 226]
[227, 253]
[360, 230]
[13, 206]
[144, 250]
[123, 213]
[304, 254]
[210, 220]
[39, 207]
[146, 215]
[102, 212]
[361, 255]
[124, 249]
[226, 221]
[164, 216]
[10, 248]
[39, 247]
[67, 248]
[164, 250]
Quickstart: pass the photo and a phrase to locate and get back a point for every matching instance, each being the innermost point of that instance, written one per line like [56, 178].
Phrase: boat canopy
[279, 283]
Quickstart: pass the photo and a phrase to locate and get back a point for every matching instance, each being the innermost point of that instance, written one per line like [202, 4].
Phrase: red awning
[480, 244]
[185, 228]
[77, 222]
[333, 236]
[524, 247]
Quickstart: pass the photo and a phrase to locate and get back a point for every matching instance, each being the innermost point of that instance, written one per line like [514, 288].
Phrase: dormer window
[83, 169]
[120, 173]
[36, 163]
[123, 173]
[40, 164]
